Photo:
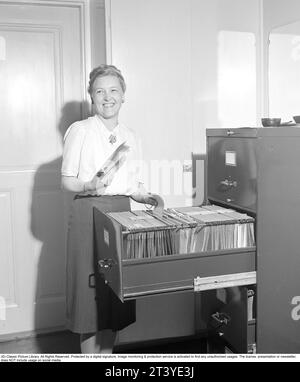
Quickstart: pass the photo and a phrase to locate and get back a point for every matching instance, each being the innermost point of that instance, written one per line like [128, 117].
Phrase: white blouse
[88, 144]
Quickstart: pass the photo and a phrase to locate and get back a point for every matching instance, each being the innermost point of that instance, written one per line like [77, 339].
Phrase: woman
[88, 144]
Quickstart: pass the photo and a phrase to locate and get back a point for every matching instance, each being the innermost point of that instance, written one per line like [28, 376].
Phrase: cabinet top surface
[254, 132]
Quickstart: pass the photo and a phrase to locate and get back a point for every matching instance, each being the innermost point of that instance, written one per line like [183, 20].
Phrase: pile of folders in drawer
[183, 230]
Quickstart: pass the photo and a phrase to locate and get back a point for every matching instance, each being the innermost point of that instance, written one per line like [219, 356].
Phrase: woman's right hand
[99, 183]
[96, 184]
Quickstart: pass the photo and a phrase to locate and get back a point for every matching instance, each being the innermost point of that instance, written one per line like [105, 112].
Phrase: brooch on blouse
[112, 139]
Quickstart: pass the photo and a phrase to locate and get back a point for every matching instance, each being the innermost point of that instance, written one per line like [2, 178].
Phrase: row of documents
[183, 230]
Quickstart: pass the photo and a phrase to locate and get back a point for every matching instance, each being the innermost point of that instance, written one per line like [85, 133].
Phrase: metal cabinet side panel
[108, 246]
[278, 244]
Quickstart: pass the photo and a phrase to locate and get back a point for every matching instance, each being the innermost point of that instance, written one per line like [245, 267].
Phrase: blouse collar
[109, 134]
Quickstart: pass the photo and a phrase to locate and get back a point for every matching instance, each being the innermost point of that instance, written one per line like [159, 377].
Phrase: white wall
[209, 20]
[190, 65]
[151, 44]
[276, 13]
[171, 54]
[284, 71]
[279, 12]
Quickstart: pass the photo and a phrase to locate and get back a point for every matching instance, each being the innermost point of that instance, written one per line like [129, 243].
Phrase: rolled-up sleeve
[73, 142]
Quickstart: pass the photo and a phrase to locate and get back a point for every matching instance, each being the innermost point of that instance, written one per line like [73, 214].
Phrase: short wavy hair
[105, 70]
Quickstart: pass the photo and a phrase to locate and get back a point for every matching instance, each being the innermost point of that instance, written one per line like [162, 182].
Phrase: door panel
[42, 91]
[7, 286]
[28, 96]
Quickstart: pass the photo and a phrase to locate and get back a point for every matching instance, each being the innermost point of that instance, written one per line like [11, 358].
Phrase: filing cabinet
[254, 171]
[257, 170]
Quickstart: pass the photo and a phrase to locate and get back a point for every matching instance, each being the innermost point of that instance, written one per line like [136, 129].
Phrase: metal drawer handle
[92, 281]
[230, 132]
[106, 264]
[221, 318]
[229, 183]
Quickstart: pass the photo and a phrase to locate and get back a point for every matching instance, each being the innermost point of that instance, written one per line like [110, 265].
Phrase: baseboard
[31, 334]
[156, 342]
[123, 347]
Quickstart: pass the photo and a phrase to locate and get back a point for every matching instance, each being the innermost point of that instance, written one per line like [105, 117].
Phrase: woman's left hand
[152, 199]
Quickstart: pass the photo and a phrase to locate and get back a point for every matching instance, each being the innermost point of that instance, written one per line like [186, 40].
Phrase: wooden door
[42, 89]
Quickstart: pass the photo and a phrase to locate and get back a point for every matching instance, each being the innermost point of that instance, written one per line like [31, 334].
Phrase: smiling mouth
[108, 105]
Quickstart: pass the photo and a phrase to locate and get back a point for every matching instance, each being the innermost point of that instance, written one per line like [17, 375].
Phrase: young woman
[87, 146]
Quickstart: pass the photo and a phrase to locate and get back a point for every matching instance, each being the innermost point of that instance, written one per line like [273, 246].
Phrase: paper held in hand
[159, 208]
[114, 160]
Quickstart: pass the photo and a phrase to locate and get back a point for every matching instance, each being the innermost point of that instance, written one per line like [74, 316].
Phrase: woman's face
[107, 96]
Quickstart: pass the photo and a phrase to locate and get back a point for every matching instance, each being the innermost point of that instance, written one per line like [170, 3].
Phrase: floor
[68, 343]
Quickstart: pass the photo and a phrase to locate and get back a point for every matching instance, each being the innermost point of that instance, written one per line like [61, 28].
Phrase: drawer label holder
[224, 281]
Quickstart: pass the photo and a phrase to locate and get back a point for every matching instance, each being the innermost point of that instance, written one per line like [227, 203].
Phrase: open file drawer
[133, 278]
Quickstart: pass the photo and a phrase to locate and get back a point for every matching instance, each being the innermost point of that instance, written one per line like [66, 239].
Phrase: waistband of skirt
[102, 197]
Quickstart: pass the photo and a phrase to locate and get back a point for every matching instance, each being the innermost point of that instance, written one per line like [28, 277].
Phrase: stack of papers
[137, 220]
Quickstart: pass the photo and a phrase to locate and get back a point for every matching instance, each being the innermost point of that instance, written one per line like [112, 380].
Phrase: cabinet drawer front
[224, 316]
[131, 279]
[176, 273]
[232, 172]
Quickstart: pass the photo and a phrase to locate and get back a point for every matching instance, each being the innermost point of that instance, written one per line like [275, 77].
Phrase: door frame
[83, 7]
[107, 5]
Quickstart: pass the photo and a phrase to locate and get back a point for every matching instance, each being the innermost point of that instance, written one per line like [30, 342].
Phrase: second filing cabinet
[257, 170]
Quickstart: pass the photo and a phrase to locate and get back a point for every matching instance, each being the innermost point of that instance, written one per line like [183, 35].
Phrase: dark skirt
[91, 309]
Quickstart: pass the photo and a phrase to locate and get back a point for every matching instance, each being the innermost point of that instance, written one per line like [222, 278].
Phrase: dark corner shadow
[199, 179]
[49, 209]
